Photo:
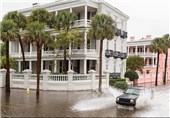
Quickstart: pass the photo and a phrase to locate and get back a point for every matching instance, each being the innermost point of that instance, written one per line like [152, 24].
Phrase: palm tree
[65, 20]
[37, 22]
[40, 15]
[36, 33]
[102, 27]
[156, 47]
[21, 22]
[166, 45]
[8, 31]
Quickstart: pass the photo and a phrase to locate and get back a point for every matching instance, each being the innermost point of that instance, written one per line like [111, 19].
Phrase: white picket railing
[81, 77]
[18, 76]
[34, 77]
[97, 77]
[58, 78]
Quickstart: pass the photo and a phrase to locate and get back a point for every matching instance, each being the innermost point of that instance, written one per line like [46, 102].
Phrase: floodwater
[81, 104]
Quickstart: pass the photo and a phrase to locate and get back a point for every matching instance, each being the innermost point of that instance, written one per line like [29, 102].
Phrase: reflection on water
[78, 104]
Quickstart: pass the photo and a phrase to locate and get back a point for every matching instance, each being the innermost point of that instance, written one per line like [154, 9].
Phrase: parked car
[131, 95]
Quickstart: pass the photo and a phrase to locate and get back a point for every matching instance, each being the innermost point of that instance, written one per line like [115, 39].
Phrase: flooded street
[80, 104]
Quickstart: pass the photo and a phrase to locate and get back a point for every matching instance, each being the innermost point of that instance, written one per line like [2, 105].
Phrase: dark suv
[131, 95]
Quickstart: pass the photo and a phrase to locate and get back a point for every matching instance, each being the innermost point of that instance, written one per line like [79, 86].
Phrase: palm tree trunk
[166, 63]
[38, 68]
[65, 61]
[100, 65]
[8, 68]
[22, 51]
[156, 79]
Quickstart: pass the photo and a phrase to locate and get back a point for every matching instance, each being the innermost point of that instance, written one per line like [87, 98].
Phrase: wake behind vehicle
[131, 95]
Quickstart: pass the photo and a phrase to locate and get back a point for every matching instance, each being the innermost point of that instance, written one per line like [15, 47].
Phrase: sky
[147, 17]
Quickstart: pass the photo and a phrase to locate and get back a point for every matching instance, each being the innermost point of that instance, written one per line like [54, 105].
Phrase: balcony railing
[123, 55]
[81, 23]
[115, 54]
[55, 53]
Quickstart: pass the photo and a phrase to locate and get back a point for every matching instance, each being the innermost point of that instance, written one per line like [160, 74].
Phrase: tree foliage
[135, 63]
[2, 49]
[3, 62]
[132, 75]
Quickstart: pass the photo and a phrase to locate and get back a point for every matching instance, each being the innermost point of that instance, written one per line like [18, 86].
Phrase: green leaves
[17, 18]
[135, 63]
[8, 30]
[40, 15]
[3, 62]
[64, 38]
[36, 33]
[65, 20]
[102, 27]
[132, 75]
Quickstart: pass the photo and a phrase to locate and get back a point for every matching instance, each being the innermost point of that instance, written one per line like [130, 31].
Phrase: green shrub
[132, 75]
[121, 84]
[112, 81]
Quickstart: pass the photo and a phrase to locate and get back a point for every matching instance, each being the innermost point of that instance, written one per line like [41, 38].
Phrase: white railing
[97, 77]
[58, 78]
[81, 77]
[34, 77]
[81, 23]
[48, 53]
[18, 76]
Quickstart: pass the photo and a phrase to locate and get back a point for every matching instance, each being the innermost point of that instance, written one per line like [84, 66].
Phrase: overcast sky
[146, 16]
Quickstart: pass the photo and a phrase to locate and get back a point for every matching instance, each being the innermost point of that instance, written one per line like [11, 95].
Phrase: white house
[85, 57]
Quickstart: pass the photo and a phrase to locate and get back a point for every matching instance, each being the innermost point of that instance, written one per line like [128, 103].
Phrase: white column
[19, 66]
[85, 35]
[85, 17]
[55, 66]
[19, 50]
[128, 50]
[144, 60]
[10, 51]
[42, 50]
[41, 65]
[144, 50]
[30, 65]
[56, 13]
[69, 64]
[136, 50]
[85, 66]
[152, 61]
[30, 49]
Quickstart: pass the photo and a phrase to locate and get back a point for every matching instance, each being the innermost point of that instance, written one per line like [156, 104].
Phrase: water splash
[98, 103]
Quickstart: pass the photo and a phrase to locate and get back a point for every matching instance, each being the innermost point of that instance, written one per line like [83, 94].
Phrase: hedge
[112, 81]
[121, 84]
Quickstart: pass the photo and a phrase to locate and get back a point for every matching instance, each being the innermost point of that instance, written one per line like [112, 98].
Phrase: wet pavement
[80, 104]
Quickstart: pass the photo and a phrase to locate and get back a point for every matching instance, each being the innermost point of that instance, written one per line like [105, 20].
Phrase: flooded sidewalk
[87, 104]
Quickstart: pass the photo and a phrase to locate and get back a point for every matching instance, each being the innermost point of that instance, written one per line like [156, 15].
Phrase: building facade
[142, 48]
[85, 57]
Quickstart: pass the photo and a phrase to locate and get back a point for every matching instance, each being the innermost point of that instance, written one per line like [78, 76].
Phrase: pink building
[141, 47]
